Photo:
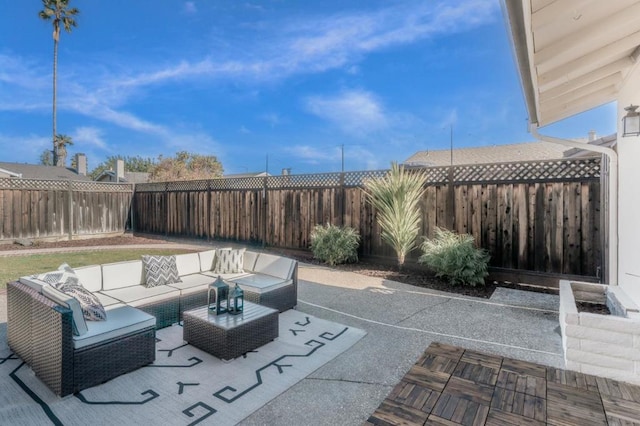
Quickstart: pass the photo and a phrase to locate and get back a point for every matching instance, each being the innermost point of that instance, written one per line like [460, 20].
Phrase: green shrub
[455, 257]
[334, 245]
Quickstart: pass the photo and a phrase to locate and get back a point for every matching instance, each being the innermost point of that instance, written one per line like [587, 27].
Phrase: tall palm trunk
[56, 33]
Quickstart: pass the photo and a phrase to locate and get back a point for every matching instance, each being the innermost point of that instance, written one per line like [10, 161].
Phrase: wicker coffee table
[229, 336]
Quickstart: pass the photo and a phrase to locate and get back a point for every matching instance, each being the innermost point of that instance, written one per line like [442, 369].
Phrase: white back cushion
[90, 277]
[122, 274]
[207, 259]
[188, 263]
[34, 283]
[250, 258]
[275, 266]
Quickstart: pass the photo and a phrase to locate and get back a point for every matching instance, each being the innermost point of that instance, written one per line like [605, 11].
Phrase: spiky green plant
[455, 257]
[396, 198]
[334, 245]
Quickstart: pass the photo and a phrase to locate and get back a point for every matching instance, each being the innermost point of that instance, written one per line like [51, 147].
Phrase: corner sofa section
[69, 354]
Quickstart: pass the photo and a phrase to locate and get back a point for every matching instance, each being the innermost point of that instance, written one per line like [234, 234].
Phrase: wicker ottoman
[229, 336]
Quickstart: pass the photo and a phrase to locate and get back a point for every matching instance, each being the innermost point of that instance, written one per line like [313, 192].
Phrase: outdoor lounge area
[338, 357]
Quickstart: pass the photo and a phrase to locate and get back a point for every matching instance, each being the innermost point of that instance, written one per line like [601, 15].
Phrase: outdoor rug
[185, 386]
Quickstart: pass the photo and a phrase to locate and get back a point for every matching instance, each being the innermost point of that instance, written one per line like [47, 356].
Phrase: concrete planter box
[602, 345]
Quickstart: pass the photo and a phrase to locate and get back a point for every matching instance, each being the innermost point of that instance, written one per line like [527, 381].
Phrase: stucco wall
[629, 194]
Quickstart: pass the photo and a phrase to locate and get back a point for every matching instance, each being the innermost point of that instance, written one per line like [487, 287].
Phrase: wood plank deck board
[453, 386]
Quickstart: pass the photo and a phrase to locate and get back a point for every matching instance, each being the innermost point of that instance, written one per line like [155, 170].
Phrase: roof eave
[514, 14]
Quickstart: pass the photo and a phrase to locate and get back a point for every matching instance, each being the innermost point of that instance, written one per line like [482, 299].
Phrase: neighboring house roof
[246, 175]
[36, 171]
[488, 154]
[607, 141]
[129, 177]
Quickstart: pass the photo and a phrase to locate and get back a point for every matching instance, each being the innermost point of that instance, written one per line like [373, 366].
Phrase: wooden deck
[450, 385]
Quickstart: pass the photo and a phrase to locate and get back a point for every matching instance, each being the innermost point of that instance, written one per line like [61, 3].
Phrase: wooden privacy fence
[57, 209]
[538, 216]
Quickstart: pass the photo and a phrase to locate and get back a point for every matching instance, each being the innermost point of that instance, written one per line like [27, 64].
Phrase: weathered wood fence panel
[43, 209]
[536, 216]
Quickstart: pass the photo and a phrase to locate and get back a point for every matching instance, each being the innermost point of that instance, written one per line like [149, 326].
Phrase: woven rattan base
[229, 336]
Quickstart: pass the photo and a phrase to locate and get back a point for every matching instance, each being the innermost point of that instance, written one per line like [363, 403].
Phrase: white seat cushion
[193, 283]
[139, 295]
[226, 277]
[259, 283]
[106, 300]
[122, 320]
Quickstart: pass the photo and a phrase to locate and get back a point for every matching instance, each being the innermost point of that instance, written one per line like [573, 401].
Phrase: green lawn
[13, 267]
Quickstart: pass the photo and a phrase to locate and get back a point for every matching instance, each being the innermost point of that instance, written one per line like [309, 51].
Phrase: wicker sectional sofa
[47, 330]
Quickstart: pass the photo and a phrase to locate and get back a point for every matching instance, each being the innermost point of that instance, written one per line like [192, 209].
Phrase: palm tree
[60, 147]
[396, 198]
[59, 12]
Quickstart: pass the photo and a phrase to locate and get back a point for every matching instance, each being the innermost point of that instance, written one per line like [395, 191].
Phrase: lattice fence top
[529, 171]
[526, 171]
[63, 185]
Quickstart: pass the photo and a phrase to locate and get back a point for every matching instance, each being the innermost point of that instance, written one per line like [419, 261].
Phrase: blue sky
[291, 80]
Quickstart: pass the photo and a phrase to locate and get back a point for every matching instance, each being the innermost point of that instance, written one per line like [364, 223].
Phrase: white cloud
[25, 149]
[356, 112]
[316, 155]
[190, 8]
[272, 118]
[91, 136]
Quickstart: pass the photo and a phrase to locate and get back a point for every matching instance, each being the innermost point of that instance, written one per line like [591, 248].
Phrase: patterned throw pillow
[92, 309]
[64, 274]
[229, 261]
[160, 270]
[66, 281]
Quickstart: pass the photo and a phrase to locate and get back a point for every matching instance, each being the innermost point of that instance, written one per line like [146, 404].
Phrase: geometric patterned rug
[184, 386]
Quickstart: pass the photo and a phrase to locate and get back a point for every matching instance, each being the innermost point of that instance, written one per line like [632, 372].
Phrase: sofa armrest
[40, 332]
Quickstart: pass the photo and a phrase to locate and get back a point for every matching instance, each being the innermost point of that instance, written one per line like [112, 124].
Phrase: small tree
[396, 198]
[46, 158]
[186, 166]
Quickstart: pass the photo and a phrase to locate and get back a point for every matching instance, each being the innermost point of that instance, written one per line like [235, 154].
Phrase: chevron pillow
[92, 309]
[66, 281]
[229, 261]
[160, 270]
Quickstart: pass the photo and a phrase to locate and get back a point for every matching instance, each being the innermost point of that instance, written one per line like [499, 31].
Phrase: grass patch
[14, 267]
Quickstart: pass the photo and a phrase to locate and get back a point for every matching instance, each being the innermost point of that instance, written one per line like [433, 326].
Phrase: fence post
[132, 209]
[208, 210]
[265, 204]
[342, 200]
[166, 209]
[70, 215]
[451, 207]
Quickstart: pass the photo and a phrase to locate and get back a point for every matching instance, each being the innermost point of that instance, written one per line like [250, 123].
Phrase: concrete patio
[401, 321]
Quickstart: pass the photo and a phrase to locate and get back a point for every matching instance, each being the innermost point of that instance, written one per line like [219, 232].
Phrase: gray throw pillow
[160, 270]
